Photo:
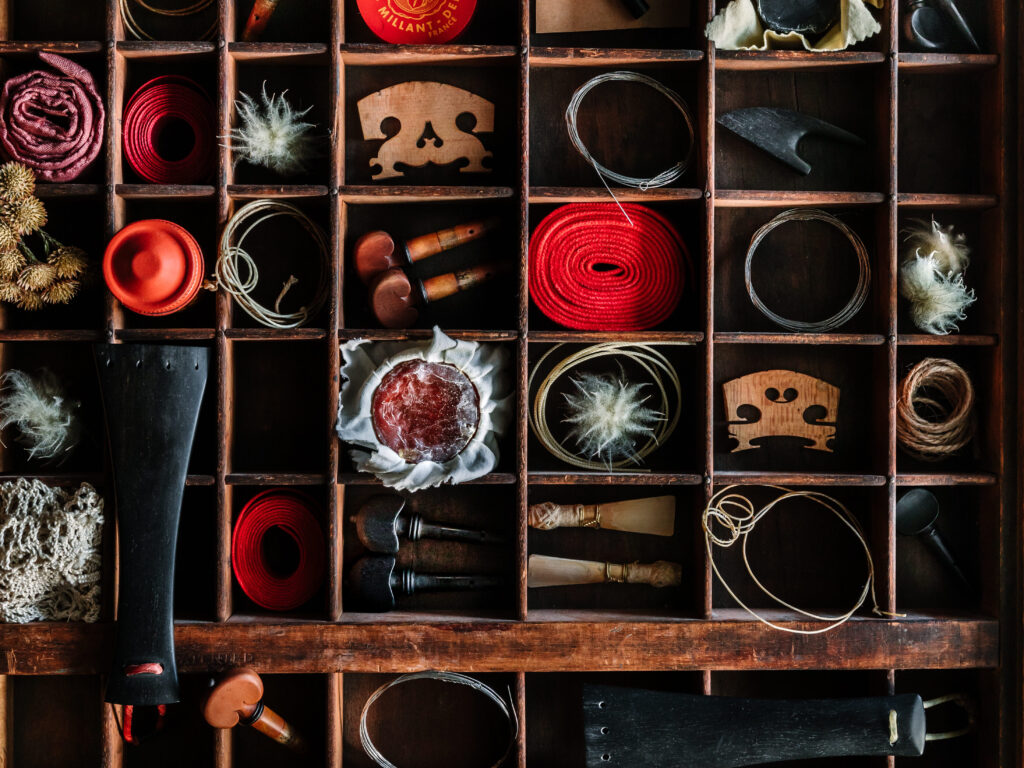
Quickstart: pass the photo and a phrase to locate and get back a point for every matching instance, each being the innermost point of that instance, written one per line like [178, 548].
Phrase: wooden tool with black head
[380, 523]
[237, 699]
[151, 398]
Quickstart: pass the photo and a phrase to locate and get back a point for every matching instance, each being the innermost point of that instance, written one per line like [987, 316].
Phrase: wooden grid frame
[541, 640]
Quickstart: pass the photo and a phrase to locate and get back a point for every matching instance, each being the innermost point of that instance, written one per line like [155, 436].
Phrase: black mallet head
[377, 523]
[370, 582]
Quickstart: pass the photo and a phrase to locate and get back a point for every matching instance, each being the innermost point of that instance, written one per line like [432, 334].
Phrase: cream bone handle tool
[151, 397]
[396, 298]
[375, 581]
[237, 699]
[377, 252]
[655, 516]
[779, 131]
[660, 729]
[546, 571]
[380, 523]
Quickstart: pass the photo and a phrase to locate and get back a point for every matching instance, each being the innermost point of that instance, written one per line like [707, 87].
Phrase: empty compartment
[671, 24]
[491, 305]
[823, 571]
[304, 83]
[426, 136]
[427, 723]
[54, 720]
[478, 509]
[185, 738]
[803, 271]
[688, 220]
[942, 121]
[490, 24]
[682, 547]
[555, 719]
[309, 22]
[967, 525]
[848, 99]
[790, 423]
[54, 20]
[302, 701]
[280, 425]
[195, 577]
[925, 453]
[628, 127]
[681, 452]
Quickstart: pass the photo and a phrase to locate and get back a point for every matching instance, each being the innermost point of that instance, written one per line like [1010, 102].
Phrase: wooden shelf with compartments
[940, 132]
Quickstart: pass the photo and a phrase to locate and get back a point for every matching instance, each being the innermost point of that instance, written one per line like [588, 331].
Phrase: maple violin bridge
[782, 399]
[427, 112]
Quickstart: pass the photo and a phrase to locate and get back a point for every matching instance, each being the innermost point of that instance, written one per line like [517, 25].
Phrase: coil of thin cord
[591, 270]
[860, 293]
[935, 410]
[652, 362]
[232, 254]
[136, 30]
[150, 110]
[736, 517]
[291, 512]
[665, 177]
[445, 677]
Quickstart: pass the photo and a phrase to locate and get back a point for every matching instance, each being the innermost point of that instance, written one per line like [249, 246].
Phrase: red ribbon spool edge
[291, 511]
[642, 286]
[158, 101]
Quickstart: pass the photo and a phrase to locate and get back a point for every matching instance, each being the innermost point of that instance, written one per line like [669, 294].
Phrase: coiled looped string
[152, 109]
[651, 362]
[592, 271]
[730, 517]
[665, 177]
[445, 677]
[292, 513]
[229, 274]
[136, 30]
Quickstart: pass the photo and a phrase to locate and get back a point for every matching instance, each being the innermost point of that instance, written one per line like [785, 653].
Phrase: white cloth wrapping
[738, 28]
[365, 364]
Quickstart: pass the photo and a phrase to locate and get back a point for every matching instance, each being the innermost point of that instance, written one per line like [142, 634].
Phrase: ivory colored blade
[654, 516]
[547, 571]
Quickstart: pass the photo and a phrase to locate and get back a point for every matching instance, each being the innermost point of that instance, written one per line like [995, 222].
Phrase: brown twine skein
[935, 410]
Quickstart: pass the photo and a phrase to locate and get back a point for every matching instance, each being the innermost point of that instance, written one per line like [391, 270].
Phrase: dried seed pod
[25, 216]
[30, 301]
[37, 277]
[69, 261]
[9, 239]
[61, 292]
[10, 291]
[11, 263]
[17, 181]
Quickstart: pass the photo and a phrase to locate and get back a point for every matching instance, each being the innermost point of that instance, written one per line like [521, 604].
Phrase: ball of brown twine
[935, 410]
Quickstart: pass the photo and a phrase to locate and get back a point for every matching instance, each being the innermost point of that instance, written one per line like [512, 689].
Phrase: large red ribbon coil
[52, 121]
[593, 270]
[291, 512]
[150, 111]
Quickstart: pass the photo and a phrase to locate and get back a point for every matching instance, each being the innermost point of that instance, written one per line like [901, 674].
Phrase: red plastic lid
[410, 22]
[153, 267]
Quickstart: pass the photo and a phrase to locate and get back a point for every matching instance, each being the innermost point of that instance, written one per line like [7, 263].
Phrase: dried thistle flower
[609, 417]
[271, 134]
[25, 216]
[10, 291]
[30, 302]
[46, 420]
[11, 263]
[9, 239]
[17, 181]
[61, 292]
[69, 261]
[37, 277]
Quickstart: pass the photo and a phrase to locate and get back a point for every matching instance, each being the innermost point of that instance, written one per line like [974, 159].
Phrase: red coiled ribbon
[150, 111]
[593, 270]
[291, 512]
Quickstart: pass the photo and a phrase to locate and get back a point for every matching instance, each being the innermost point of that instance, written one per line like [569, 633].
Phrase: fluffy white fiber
[932, 277]
[270, 133]
[609, 417]
[46, 421]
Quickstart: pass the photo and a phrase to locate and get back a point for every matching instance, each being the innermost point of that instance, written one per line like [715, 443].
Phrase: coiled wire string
[232, 254]
[139, 33]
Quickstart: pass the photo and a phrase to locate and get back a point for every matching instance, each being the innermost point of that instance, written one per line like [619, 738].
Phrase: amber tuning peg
[396, 298]
[237, 698]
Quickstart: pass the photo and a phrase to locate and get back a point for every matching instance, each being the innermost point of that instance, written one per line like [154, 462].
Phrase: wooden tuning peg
[396, 298]
[237, 698]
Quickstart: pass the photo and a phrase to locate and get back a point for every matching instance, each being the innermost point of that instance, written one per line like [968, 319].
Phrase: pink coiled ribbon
[152, 109]
[292, 513]
[52, 121]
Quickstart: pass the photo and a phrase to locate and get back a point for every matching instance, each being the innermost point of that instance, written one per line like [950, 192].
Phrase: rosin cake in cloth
[424, 414]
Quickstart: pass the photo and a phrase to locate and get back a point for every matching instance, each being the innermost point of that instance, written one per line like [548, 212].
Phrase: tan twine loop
[935, 410]
[736, 517]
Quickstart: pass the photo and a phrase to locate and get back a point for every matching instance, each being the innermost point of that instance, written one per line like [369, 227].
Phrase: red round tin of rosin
[412, 22]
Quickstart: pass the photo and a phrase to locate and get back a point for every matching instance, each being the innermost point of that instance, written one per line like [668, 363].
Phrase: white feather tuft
[46, 421]
[937, 298]
[948, 248]
[272, 134]
[609, 417]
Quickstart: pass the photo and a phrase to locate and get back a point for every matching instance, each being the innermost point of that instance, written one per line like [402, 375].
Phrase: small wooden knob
[394, 300]
[374, 253]
[236, 696]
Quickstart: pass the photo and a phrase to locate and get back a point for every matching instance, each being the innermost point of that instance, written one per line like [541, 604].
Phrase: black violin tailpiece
[151, 398]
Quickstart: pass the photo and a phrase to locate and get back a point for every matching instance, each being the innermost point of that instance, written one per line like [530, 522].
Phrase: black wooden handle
[151, 397]
[658, 729]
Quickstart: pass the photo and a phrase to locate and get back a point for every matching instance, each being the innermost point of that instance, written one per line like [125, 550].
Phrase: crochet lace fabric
[50, 543]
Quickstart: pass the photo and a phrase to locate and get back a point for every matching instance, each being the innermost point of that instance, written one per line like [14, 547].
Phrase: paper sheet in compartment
[598, 15]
